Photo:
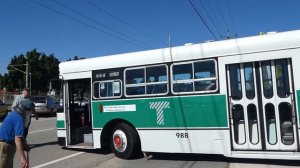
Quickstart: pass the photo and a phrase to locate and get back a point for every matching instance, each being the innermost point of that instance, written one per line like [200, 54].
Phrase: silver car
[45, 104]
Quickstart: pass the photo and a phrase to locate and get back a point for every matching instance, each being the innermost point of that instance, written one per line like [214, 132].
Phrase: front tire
[124, 141]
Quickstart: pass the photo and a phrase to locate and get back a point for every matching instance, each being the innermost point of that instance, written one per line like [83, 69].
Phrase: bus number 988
[182, 135]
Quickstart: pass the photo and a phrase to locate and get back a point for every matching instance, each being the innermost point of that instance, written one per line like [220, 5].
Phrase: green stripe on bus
[184, 111]
[60, 124]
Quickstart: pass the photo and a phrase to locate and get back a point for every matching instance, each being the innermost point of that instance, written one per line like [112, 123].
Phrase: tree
[76, 58]
[42, 68]
[17, 78]
[5, 82]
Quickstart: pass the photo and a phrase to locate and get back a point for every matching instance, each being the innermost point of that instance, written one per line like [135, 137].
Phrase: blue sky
[83, 29]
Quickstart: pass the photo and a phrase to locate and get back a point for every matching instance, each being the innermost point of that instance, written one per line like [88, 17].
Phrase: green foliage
[76, 58]
[42, 67]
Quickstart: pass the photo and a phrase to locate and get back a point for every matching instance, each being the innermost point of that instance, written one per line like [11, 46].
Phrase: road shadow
[267, 162]
[32, 146]
[187, 157]
[104, 151]
[220, 158]
[45, 115]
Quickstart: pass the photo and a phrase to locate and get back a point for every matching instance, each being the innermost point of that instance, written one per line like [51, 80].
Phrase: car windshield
[39, 99]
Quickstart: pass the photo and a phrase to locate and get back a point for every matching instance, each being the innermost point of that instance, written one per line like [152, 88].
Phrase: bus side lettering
[182, 135]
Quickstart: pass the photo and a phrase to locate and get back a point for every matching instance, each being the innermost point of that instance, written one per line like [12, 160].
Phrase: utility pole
[0, 82]
[25, 72]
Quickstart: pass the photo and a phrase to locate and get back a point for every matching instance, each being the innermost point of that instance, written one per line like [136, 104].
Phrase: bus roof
[261, 43]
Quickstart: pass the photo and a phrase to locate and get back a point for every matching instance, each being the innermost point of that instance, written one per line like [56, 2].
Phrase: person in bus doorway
[27, 116]
[11, 134]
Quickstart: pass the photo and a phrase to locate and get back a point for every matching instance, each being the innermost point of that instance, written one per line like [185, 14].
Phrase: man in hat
[18, 99]
[11, 134]
[27, 116]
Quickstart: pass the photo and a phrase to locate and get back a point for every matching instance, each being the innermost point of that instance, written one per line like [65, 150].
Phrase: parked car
[4, 109]
[45, 104]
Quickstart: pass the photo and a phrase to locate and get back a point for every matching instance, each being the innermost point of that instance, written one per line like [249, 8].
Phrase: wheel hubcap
[120, 140]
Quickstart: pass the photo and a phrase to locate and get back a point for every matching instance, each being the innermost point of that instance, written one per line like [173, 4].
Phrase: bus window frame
[107, 81]
[193, 79]
[145, 83]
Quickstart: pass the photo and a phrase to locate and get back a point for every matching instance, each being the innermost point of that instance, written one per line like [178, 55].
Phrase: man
[27, 116]
[18, 99]
[11, 134]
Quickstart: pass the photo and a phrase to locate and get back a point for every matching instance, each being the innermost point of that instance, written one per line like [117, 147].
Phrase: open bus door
[261, 102]
[78, 112]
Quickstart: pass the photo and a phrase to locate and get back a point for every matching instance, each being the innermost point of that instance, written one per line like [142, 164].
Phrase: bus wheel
[124, 141]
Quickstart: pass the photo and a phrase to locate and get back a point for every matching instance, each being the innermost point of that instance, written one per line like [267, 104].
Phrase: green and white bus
[238, 98]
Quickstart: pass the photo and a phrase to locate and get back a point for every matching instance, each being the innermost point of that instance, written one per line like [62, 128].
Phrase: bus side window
[135, 79]
[195, 77]
[182, 77]
[108, 89]
[157, 80]
[148, 81]
[204, 74]
[96, 90]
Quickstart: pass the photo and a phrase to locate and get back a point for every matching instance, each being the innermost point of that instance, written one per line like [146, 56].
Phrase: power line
[210, 18]
[223, 18]
[122, 21]
[211, 6]
[88, 25]
[99, 23]
[202, 19]
[231, 18]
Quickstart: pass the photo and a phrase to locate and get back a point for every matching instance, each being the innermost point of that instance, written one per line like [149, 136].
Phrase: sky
[91, 28]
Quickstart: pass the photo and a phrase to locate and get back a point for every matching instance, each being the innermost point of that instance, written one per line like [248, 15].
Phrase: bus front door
[78, 113]
[261, 102]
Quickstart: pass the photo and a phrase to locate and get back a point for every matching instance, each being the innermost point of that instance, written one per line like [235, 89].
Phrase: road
[47, 154]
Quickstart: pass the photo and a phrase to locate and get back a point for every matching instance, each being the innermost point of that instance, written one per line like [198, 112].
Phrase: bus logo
[159, 107]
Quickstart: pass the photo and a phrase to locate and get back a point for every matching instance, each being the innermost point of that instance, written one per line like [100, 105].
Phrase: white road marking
[58, 160]
[42, 119]
[41, 130]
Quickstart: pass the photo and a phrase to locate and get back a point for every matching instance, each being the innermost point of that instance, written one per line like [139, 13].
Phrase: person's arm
[20, 150]
[35, 114]
[16, 102]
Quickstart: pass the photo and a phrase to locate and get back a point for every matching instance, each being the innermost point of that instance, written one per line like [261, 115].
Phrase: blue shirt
[12, 126]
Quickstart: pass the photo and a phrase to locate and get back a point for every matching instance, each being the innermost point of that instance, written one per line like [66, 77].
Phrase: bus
[237, 97]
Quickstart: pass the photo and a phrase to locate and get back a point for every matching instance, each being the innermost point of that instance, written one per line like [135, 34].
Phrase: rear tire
[125, 142]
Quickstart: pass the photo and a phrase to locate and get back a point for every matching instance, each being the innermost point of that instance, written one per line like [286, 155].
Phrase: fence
[7, 98]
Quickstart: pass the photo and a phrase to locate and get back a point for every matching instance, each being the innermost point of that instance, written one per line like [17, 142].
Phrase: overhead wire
[203, 21]
[231, 17]
[223, 18]
[211, 6]
[209, 17]
[122, 21]
[90, 26]
[99, 23]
